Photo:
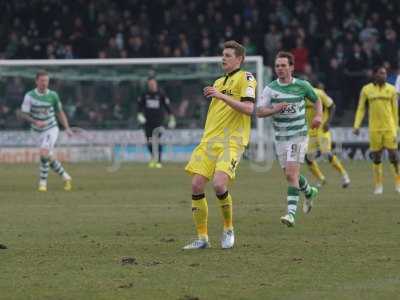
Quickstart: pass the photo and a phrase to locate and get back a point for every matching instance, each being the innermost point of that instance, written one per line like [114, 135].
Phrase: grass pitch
[69, 245]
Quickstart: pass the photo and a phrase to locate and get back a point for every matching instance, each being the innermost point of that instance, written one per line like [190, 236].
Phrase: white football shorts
[47, 139]
[291, 151]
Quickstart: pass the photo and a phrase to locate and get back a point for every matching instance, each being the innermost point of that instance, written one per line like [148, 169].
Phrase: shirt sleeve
[310, 93]
[248, 91]
[57, 103]
[26, 104]
[360, 109]
[265, 99]
[140, 104]
[395, 106]
[326, 100]
[166, 103]
[397, 84]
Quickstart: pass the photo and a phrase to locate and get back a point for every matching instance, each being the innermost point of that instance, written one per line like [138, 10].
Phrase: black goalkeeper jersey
[154, 106]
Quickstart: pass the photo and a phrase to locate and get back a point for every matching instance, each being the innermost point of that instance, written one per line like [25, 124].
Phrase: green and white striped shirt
[42, 107]
[291, 122]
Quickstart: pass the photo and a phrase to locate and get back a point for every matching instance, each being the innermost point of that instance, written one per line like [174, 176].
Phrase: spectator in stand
[288, 39]
[325, 54]
[186, 49]
[85, 29]
[339, 53]
[78, 39]
[12, 45]
[24, 48]
[219, 24]
[205, 47]
[69, 53]
[166, 51]
[355, 70]
[372, 55]
[369, 32]
[112, 49]
[102, 54]
[390, 47]
[334, 83]
[271, 41]
[352, 24]
[135, 47]
[309, 74]
[177, 52]
[301, 55]
[251, 47]
[348, 41]
[14, 92]
[391, 73]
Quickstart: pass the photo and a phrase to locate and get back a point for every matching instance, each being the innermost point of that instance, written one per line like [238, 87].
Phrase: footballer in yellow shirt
[320, 139]
[381, 99]
[226, 133]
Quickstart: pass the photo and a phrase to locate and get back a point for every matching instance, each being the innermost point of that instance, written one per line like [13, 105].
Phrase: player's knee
[219, 186]
[45, 153]
[198, 185]
[376, 157]
[291, 177]
[220, 182]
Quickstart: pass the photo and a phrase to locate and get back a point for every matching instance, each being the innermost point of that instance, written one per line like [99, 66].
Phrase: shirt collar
[283, 84]
[378, 85]
[41, 94]
[233, 72]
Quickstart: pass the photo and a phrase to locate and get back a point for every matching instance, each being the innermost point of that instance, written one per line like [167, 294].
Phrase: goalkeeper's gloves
[171, 122]
[141, 118]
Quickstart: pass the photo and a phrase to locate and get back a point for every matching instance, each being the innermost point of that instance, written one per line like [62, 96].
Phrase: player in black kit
[152, 106]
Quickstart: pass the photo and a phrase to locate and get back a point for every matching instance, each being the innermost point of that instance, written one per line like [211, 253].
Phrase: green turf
[69, 245]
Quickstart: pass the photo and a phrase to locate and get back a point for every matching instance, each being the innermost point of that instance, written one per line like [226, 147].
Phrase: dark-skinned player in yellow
[383, 122]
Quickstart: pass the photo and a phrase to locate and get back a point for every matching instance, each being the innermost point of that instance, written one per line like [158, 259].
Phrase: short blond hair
[239, 49]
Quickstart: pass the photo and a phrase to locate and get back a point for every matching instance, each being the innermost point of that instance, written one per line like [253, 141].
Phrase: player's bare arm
[64, 122]
[245, 107]
[26, 116]
[331, 114]
[267, 111]
[360, 112]
[317, 120]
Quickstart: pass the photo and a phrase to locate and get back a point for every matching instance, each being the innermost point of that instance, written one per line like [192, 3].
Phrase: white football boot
[42, 186]
[197, 244]
[378, 190]
[288, 220]
[227, 239]
[345, 181]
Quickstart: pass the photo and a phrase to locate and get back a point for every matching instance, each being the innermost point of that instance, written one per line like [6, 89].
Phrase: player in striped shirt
[285, 99]
[40, 108]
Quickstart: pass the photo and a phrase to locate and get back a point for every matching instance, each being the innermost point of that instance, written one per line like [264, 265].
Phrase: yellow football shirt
[310, 111]
[382, 107]
[224, 124]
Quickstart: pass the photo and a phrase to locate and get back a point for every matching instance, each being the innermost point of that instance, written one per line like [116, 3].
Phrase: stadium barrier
[130, 145]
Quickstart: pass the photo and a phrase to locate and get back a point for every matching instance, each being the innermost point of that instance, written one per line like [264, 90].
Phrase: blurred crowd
[336, 42]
